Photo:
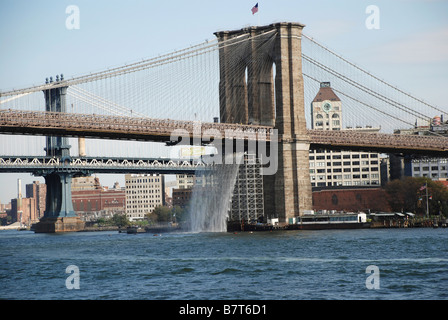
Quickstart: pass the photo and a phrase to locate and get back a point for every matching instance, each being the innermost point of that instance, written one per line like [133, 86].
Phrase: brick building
[181, 197]
[92, 200]
[88, 201]
[362, 199]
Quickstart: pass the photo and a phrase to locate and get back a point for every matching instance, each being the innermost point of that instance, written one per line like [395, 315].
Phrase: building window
[334, 199]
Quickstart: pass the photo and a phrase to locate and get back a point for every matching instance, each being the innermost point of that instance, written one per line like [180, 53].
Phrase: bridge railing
[145, 126]
[391, 141]
[30, 164]
[165, 129]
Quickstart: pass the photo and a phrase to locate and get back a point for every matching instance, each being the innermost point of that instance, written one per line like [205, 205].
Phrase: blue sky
[409, 50]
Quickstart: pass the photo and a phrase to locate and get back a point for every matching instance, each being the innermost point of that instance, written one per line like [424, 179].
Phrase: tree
[179, 213]
[163, 214]
[410, 195]
[120, 220]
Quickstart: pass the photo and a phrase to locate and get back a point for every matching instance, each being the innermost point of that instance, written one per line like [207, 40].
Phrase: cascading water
[210, 204]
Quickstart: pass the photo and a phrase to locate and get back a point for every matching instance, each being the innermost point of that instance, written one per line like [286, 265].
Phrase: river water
[291, 265]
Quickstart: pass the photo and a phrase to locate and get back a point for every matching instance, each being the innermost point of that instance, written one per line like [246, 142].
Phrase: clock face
[326, 107]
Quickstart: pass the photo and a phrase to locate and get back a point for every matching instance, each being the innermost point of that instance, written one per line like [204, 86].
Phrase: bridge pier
[59, 215]
[248, 93]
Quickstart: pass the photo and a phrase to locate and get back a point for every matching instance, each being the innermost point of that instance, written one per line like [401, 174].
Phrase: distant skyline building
[23, 209]
[38, 192]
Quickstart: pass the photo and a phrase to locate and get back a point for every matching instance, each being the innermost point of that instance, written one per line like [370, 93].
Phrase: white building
[144, 192]
[434, 168]
[185, 181]
[429, 167]
[339, 168]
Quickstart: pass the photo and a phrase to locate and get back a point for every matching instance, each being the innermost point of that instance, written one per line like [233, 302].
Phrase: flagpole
[427, 202]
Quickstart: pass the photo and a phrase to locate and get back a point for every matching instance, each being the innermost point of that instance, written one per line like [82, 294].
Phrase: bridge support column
[280, 103]
[59, 215]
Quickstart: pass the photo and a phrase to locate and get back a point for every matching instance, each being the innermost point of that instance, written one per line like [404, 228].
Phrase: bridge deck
[164, 130]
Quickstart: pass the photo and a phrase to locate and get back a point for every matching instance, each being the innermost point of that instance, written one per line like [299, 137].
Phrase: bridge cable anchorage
[371, 75]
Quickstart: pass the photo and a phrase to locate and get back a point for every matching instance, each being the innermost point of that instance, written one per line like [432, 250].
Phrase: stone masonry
[251, 93]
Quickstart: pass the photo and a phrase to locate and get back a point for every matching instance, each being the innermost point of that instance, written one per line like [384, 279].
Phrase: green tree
[409, 194]
[163, 214]
[151, 217]
[179, 213]
[119, 220]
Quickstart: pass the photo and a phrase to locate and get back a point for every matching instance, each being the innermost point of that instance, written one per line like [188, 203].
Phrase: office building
[430, 167]
[331, 168]
[144, 192]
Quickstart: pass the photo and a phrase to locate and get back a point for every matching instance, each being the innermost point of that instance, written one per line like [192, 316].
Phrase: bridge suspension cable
[363, 103]
[366, 99]
[365, 89]
[371, 75]
[178, 55]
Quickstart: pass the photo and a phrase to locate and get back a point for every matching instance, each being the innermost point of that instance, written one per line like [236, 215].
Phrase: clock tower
[326, 109]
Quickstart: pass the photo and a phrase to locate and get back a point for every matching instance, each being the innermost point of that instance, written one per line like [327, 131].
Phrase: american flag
[255, 9]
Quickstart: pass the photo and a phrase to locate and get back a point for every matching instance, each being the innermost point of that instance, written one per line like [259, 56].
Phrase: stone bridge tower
[261, 83]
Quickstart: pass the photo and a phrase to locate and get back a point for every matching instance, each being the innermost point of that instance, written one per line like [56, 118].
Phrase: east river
[397, 264]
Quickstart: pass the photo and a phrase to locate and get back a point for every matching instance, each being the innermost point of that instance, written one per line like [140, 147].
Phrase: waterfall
[211, 199]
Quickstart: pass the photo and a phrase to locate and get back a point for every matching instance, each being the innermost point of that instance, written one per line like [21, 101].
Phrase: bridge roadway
[163, 130]
[88, 165]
